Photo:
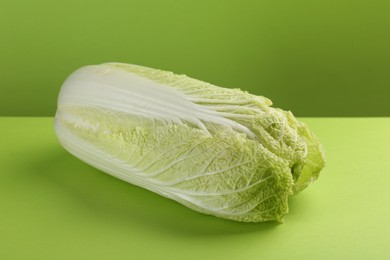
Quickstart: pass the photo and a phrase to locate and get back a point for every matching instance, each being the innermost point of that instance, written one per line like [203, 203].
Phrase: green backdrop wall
[316, 58]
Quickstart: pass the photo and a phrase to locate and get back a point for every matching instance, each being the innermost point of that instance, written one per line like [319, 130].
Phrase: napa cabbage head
[218, 151]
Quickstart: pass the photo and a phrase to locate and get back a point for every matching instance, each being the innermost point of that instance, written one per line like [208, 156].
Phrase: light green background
[53, 206]
[316, 58]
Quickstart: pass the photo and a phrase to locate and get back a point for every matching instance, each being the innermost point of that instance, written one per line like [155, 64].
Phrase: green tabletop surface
[53, 206]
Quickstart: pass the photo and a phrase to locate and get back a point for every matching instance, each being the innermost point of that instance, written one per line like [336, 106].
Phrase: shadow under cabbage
[114, 199]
